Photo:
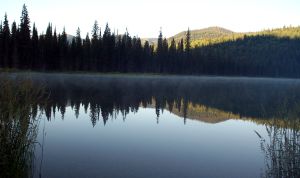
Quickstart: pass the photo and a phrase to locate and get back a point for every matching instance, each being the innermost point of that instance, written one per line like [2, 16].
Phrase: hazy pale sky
[145, 17]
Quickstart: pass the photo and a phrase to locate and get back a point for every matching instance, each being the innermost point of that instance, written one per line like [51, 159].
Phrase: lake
[165, 126]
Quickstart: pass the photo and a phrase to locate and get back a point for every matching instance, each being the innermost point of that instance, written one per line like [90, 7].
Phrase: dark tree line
[23, 47]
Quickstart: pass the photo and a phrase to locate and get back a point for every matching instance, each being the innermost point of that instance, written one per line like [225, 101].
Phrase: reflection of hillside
[198, 112]
[209, 99]
[211, 115]
[204, 114]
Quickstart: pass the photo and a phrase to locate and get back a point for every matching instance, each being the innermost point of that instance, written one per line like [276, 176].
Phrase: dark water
[151, 126]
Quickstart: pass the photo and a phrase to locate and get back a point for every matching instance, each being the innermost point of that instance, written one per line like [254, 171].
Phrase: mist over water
[167, 126]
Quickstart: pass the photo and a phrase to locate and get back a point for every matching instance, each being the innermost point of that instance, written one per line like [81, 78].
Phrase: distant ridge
[205, 33]
[198, 34]
[212, 35]
[70, 38]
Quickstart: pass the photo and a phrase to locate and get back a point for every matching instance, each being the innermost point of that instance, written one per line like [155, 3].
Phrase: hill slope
[205, 33]
[285, 32]
[199, 34]
[213, 35]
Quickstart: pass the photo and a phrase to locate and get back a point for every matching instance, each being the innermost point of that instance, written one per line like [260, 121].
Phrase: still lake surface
[167, 126]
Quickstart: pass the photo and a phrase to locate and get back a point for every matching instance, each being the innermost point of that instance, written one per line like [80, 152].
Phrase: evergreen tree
[78, 58]
[63, 50]
[87, 51]
[180, 54]
[159, 52]
[5, 42]
[48, 48]
[72, 56]
[125, 51]
[95, 45]
[165, 47]
[78, 38]
[49, 33]
[164, 60]
[172, 56]
[55, 50]
[95, 33]
[35, 48]
[172, 48]
[160, 44]
[134, 63]
[24, 39]
[180, 46]
[147, 55]
[108, 46]
[188, 42]
[14, 46]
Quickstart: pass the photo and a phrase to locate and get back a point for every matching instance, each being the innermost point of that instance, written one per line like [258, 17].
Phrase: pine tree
[107, 49]
[24, 39]
[87, 51]
[95, 46]
[78, 58]
[188, 42]
[125, 51]
[25, 23]
[5, 42]
[35, 47]
[159, 52]
[55, 50]
[180, 54]
[134, 63]
[73, 54]
[48, 48]
[63, 50]
[147, 63]
[55, 36]
[172, 48]
[95, 33]
[147, 48]
[165, 56]
[160, 44]
[49, 33]
[14, 46]
[165, 47]
[172, 56]
[180, 46]
[78, 38]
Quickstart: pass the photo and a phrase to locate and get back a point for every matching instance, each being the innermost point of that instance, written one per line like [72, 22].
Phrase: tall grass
[19, 100]
[282, 152]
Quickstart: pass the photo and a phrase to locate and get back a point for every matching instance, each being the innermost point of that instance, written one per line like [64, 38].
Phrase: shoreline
[138, 75]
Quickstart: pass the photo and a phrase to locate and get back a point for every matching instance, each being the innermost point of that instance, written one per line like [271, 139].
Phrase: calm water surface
[148, 126]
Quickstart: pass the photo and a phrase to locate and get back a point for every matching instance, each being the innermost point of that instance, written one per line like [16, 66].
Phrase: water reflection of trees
[18, 126]
[282, 151]
[274, 103]
[225, 97]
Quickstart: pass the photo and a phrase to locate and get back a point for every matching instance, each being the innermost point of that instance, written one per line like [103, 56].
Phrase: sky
[143, 18]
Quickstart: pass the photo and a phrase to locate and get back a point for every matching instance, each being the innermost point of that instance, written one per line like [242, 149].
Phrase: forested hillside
[290, 32]
[204, 34]
[213, 51]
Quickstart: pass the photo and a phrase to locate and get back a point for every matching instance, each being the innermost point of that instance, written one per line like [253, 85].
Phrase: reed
[19, 120]
[282, 152]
